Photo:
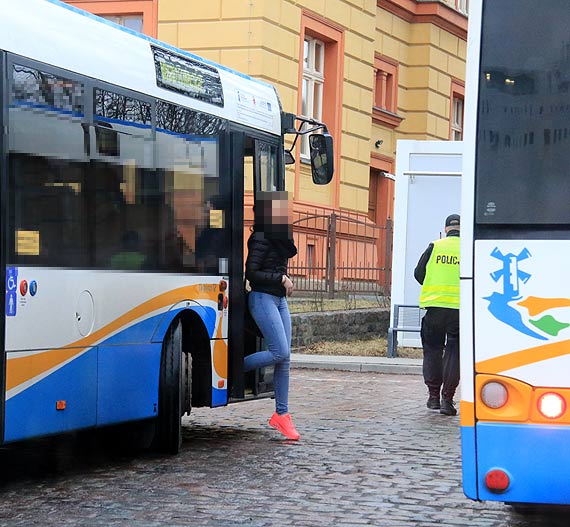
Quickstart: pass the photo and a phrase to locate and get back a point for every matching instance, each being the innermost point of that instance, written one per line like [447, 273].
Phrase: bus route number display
[187, 76]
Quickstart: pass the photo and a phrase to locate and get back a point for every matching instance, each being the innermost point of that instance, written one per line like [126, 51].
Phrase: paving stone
[370, 454]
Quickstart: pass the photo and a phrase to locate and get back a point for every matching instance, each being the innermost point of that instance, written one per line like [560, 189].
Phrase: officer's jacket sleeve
[420, 270]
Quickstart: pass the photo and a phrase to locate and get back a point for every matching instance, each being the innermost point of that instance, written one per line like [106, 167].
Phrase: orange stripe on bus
[523, 357]
[467, 413]
[220, 350]
[536, 305]
[22, 369]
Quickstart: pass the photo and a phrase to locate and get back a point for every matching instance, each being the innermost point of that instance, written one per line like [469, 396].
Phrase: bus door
[3, 208]
[255, 163]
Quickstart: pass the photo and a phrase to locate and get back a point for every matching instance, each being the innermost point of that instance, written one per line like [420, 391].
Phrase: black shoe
[433, 402]
[447, 407]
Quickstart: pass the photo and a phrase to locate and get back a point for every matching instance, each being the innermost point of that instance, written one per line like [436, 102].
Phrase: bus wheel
[168, 437]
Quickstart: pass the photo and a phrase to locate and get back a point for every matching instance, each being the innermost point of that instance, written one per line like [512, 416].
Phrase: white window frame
[314, 79]
[458, 107]
[463, 6]
[120, 19]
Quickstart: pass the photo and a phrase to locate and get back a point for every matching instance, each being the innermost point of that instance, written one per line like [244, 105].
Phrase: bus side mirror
[322, 160]
[289, 159]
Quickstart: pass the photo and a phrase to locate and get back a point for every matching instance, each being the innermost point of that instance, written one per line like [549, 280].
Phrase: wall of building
[430, 50]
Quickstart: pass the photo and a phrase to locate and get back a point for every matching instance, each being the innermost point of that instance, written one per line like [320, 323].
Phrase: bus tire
[168, 436]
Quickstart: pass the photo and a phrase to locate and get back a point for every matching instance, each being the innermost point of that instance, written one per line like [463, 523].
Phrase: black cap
[452, 220]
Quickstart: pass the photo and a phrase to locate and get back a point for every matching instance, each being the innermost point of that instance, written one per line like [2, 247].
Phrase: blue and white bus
[122, 163]
[515, 285]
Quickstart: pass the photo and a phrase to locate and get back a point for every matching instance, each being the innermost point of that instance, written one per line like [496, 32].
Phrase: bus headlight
[551, 405]
[494, 394]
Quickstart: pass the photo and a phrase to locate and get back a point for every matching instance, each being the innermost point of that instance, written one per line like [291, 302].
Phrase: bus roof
[64, 36]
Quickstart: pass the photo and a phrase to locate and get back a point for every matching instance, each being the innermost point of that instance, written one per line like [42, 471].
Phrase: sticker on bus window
[216, 219]
[28, 243]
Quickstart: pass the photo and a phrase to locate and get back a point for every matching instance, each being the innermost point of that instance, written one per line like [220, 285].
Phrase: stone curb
[357, 364]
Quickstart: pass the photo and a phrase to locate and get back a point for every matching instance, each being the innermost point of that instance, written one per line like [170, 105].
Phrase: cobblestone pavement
[370, 454]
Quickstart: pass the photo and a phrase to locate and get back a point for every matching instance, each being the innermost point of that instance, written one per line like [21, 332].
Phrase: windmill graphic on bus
[501, 303]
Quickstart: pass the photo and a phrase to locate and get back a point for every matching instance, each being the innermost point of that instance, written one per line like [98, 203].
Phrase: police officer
[438, 272]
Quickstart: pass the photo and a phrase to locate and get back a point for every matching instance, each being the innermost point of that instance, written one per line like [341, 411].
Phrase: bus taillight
[494, 394]
[497, 480]
[551, 405]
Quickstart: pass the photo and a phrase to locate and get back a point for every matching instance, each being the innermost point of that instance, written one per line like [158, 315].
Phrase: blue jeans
[271, 313]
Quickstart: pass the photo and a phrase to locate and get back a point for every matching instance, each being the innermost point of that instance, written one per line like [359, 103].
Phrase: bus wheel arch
[196, 345]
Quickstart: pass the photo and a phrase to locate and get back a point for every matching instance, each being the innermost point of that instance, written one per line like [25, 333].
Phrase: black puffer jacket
[267, 263]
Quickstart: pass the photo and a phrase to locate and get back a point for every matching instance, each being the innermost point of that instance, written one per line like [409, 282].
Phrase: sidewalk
[359, 364]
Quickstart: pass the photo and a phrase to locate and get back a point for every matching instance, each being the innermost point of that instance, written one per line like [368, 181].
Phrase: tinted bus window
[188, 145]
[112, 193]
[47, 170]
[523, 143]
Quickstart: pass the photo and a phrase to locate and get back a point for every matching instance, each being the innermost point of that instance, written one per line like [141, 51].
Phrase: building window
[385, 92]
[457, 120]
[457, 110]
[138, 15]
[320, 82]
[134, 22]
[385, 87]
[313, 83]
[462, 5]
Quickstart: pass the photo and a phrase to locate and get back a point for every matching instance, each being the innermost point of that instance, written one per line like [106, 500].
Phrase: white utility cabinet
[428, 189]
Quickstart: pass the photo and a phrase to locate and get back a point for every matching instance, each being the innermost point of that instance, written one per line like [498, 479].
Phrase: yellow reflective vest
[441, 283]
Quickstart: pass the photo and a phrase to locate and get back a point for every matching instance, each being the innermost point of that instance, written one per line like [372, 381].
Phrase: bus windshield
[523, 159]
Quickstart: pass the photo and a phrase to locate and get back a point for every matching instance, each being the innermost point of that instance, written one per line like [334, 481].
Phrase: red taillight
[225, 302]
[497, 480]
[551, 405]
[223, 285]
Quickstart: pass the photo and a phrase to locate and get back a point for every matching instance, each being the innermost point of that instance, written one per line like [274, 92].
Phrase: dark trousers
[440, 341]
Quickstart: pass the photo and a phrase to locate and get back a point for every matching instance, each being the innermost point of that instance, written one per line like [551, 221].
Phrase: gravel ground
[361, 348]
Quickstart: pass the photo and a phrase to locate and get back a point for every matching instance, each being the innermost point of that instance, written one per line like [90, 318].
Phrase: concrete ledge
[357, 364]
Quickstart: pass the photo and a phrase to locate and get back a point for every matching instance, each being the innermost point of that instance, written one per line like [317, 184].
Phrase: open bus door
[3, 237]
[254, 162]
[258, 161]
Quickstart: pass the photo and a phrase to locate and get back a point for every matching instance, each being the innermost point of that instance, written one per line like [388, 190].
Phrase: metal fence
[341, 253]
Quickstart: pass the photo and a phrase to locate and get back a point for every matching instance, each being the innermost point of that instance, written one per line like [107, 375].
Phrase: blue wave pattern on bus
[499, 303]
[113, 382]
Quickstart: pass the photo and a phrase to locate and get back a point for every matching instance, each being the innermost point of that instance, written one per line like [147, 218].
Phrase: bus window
[48, 215]
[188, 165]
[268, 170]
[124, 223]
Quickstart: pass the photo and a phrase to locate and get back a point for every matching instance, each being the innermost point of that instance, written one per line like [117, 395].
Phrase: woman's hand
[288, 284]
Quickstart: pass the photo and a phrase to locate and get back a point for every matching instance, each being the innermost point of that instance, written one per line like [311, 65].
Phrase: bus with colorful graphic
[123, 164]
[515, 281]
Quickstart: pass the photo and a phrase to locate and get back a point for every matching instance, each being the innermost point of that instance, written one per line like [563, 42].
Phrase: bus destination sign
[187, 76]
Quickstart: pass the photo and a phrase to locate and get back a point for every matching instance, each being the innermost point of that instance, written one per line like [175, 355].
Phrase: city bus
[515, 286]
[123, 165]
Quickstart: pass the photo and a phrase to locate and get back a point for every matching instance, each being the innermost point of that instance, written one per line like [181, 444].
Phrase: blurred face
[274, 208]
[281, 212]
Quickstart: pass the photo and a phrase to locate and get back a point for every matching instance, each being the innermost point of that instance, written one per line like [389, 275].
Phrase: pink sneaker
[284, 424]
